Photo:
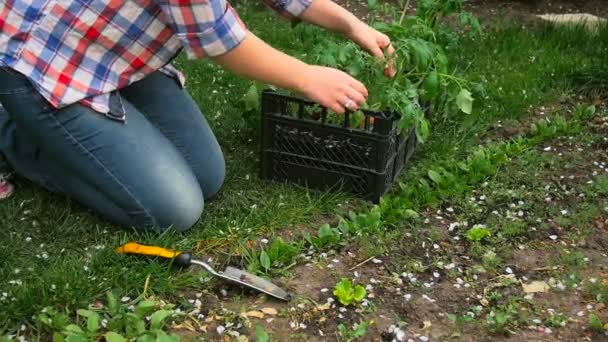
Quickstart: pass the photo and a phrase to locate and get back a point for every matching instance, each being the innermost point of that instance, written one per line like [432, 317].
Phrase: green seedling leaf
[73, 329]
[85, 313]
[75, 338]
[360, 330]
[464, 101]
[431, 84]
[251, 100]
[144, 308]
[344, 291]
[92, 319]
[157, 319]
[357, 119]
[93, 323]
[162, 336]
[325, 231]
[260, 334]
[435, 177]
[146, 338]
[114, 337]
[57, 337]
[113, 305]
[359, 293]
[265, 260]
[595, 322]
[477, 233]
[346, 294]
[135, 325]
[371, 4]
[501, 318]
[410, 214]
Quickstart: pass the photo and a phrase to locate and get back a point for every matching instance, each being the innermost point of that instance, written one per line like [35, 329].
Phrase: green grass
[63, 256]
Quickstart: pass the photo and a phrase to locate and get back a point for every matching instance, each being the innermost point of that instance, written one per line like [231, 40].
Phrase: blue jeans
[151, 173]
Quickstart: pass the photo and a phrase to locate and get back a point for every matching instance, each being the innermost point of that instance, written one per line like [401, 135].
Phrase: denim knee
[179, 210]
[214, 178]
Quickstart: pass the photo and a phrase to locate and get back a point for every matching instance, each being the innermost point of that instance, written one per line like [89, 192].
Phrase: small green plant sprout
[347, 294]
[260, 334]
[113, 322]
[596, 324]
[359, 330]
[477, 233]
[326, 236]
[277, 255]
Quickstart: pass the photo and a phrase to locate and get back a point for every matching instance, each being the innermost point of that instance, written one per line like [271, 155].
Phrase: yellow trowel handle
[181, 259]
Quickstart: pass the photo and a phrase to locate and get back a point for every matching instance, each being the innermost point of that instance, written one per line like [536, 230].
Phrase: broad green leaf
[464, 101]
[477, 233]
[93, 322]
[452, 317]
[135, 325]
[359, 293]
[113, 304]
[73, 329]
[409, 213]
[344, 291]
[308, 237]
[357, 119]
[343, 54]
[144, 308]
[162, 336]
[251, 99]
[76, 338]
[422, 54]
[146, 338]
[260, 334]
[265, 260]
[354, 69]
[114, 337]
[501, 318]
[325, 232]
[371, 4]
[157, 319]
[327, 58]
[57, 337]
[431, 84]
[85, 313]
[422, 130]
[595, 322]
[435, 176]
[360, 330]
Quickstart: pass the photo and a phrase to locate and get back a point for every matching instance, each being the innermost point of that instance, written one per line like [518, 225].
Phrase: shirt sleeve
[204, 27]
[290, 9]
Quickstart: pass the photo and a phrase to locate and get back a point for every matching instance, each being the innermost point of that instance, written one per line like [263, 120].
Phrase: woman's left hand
[374, 42]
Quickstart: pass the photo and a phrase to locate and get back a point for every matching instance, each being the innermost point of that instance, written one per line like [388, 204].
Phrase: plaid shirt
[81, 51]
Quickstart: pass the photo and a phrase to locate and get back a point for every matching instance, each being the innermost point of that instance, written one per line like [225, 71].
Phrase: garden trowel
[184, 259]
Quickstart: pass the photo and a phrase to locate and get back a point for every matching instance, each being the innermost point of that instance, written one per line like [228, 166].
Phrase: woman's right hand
[332, 88]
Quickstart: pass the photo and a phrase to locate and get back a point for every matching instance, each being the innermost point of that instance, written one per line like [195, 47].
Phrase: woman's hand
[332, 88]
[374, 42]
[332, 16]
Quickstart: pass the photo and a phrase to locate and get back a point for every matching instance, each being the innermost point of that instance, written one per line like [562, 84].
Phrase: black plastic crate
[299, 145]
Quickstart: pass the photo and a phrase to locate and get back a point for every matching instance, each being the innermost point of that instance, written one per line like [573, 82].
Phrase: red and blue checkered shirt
[82, 51]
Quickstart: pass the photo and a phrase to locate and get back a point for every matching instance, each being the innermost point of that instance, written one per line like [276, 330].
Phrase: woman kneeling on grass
[95, 111]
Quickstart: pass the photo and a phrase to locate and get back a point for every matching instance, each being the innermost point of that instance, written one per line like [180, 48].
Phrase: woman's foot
[6, 188]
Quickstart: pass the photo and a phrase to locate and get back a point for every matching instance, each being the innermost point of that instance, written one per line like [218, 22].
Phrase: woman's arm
[331, 16]
[253, 58]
